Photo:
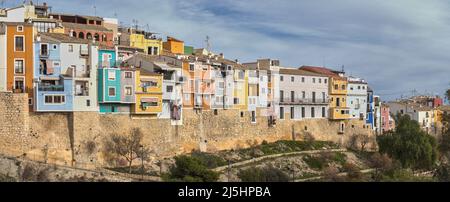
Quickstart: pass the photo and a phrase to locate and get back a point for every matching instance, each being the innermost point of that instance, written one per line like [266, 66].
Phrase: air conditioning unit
[181, 79]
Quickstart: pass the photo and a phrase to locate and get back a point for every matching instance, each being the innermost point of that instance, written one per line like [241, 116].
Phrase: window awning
[152, 99]
[49, 78]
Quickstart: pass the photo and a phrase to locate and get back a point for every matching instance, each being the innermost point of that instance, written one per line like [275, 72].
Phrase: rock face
[78, 138]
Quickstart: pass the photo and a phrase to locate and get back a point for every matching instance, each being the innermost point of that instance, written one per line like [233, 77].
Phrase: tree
[381, 163]
[191, 169]
[359, 141]
[410, 145]
[447, 94]
[332, 174]
[128, 147]
[444, 143]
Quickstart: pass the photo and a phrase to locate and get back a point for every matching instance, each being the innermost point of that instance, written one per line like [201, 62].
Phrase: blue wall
[67, 106]
[112, 61]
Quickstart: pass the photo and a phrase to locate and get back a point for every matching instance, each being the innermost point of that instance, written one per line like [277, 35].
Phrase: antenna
[343, 68]
[95, 10]
[208, 45]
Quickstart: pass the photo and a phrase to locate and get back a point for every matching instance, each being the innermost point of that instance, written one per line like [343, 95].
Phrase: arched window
[97, 37]
[104, 38]
[74, 34]
[88, 36]
[81, 35]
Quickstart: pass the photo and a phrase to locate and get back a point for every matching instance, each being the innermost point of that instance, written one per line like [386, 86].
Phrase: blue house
[54, 92]
[110, 83]
[370, 108]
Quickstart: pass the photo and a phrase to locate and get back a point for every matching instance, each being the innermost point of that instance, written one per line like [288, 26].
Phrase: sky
[397, 46]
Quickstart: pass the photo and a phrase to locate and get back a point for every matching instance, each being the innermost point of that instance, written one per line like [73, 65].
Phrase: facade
[142, 41]
[337, 92]
[174, 46]
[18, 58]
[240, 100]
[424, 115]
[148, 94]
[387, 122]
[38, 15]
[357, 98]
[303, 95]
[3, 58]
[370, 121]
[54, 86]
[85, 27]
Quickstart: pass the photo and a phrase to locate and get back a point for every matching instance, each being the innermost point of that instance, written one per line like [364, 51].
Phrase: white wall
[14, 15]
[357, 99]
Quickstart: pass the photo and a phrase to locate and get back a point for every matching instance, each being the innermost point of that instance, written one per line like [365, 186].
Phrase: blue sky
[396, 45]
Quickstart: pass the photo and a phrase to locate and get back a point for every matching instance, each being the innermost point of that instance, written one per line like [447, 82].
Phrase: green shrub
[210, 160]
[317, 163]
[190, 169]
[267, 174]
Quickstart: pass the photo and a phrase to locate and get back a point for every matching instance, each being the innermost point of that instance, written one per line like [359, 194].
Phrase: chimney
[221, 55]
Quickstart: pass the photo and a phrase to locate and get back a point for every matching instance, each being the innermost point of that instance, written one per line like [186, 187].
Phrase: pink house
[387, 122]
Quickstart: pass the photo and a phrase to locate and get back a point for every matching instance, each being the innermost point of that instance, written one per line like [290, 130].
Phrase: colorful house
[54, 88]
[148, 42]
[200, 88]
[174, 46]
[148, 94]
[18, 58]
[370, 116]
[241, 89]
[337, 92]
[63, 73]
[357, 98]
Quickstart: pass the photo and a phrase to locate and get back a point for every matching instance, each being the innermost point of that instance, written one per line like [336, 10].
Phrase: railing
[51, 88]
[287, 101]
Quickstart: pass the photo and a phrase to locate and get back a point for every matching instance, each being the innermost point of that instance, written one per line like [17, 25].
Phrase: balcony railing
[300, 101]
[53, 88]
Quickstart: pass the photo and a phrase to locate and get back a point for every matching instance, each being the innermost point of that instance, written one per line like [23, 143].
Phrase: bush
[353, 172]
[211, 161]
[189, 169]
[315, 162]
[442, 173]
[267, 174]
[331, 174]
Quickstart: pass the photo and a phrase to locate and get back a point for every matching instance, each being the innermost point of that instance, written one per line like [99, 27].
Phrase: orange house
[20, 51]
[174, 46]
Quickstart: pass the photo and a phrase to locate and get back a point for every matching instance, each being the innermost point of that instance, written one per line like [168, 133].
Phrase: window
[320, 80]
[313, 113]
[71, 48]
[19, 84]
[324, 97]
[30, 101]
[19, 43]
[281, 96]
[54, 99]
[303, 79]
[292, 113]
[219, 99]
[336, 87]
[236, 101]
[282, 113]
[55, 47]
[303, 112]
[88, 103]
[18, 67]
[303, 94]
[351, 88]
[314, 80]
[128, 75]
[364, 88]
[20, 28]
[187, 97]
[169, 89]
[242, 114]
[111, 91]
[359, 87]
[292, 79]
[323, 112]
[281, 78]
[191, 67]
[325, 80]
[292, 96]
[128, 90]
[343, 87]
[44, 49]
[216, 112]
[253, 117]
[111, 75]
[221, 84]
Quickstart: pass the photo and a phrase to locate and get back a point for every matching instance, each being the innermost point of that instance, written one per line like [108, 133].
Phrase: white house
[303, 95]
[357, 97]
[424, 115]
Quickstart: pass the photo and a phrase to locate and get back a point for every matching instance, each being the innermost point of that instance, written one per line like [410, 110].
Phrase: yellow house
[174, 46]
[241, 89]
[337, 87]
[148, 93]
[151, 46]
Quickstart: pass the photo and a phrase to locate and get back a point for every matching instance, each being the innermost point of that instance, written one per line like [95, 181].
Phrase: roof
[81, 16]
[323, 71]
[292, 71]
[62, 38]
[85, 26]
[17, 23]
[173, 39]
[148, 73]
[445, 108]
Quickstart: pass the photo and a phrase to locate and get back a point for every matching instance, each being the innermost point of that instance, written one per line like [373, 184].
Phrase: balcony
[52, 88]
[305, 101]
[337, 113]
